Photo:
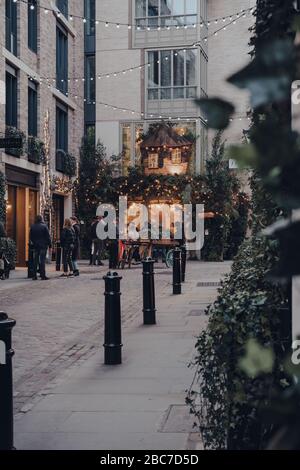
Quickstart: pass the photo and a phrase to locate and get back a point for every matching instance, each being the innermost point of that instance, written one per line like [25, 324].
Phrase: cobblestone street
[61, 321]
[59, 331]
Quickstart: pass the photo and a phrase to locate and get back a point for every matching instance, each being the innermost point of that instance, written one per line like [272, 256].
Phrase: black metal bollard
[6, 383]
[149, 310]
[112, 335]
[177, 271]
[183, 262]
[113, 254]
[58, 256]
[30, 270]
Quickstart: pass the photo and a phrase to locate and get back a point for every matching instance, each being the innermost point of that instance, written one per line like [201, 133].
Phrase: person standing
[97, 243]
[67, 241]
[75, 253]
[40, 240]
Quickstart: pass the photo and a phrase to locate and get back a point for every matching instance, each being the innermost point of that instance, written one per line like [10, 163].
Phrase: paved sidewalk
[139, 404]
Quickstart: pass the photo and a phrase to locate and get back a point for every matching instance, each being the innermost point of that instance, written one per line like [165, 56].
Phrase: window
[163, 13]
[90, 89]
[172, 74]
[131, 133]
[32, 25]
[61, 59]
[11, 26]
[153, 161]
[176, 156]
[90, 15]
[11, 111]
[62, 5]
[61, 135]
[32, 109]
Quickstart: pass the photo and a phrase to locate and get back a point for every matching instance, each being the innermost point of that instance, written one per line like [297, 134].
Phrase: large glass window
[32, 25]
[172, 74]
[11, 26]
[62, 5]
[11, 107]
[90, 79]
[61, 136]
[61, 59]
[163, 13]
[90, 15]
[131, 133]
[32, 109]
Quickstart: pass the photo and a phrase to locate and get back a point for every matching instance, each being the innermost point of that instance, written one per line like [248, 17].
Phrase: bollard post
[58, 256]
[113, 254]
[149, 310]
[183, 262]
[6, 383]
[177, 271]
[112, 330]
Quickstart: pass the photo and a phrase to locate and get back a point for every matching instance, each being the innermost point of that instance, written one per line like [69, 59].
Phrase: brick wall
[43, 64]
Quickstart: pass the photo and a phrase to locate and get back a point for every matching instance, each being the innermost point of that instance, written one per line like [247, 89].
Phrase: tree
[221, 184]
[95, 174]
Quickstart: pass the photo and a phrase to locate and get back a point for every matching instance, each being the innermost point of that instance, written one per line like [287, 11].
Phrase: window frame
[62, 59]
[176, 156]
[61, 135]
[63, 6]
[32, 109]
[155, 165]
[32, 26]
[90, 85]
[162, 92]
[90, 25]
[11, 27]
[11, 98]
[163, 20]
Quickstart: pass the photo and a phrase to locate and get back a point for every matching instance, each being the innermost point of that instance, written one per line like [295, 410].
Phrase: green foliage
[239, 226]
[222, 185]
[274, 19]
[269, 76]
[36, 150]
[8, 247]
[70, 165]
[248, 307]
[2, 198]
[250, 319]
[216, 112]
[13, 132]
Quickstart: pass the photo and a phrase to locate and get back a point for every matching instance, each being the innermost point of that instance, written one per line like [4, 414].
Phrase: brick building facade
[41, 61]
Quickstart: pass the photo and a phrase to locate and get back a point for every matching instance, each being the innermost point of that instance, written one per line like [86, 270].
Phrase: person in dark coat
[67, 241]
[40, 240]
[98, 244]
[75, 253]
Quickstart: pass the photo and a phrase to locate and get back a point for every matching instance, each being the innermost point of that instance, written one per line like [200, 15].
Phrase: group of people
[40, 241]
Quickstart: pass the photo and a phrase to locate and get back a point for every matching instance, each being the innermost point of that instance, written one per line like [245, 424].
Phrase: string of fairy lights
[118, 24]
[50, 82]
[149, 116]
[232, 21]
